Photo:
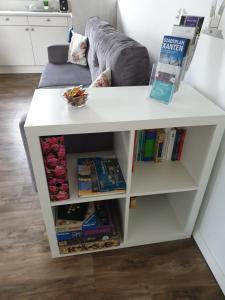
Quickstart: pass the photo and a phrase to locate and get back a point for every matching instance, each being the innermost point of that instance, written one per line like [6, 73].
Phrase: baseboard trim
[20, 69]
[210, 259]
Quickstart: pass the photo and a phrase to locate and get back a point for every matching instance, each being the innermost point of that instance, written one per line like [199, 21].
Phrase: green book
[149, 146]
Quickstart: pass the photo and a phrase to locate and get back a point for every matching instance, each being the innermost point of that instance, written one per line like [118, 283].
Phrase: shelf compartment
[153, 221]
[73, 181]
[151, 178]
[116, 210]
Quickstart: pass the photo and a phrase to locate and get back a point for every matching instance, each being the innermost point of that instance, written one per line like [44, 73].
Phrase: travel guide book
[173, 51]
[97, 176]
[195, 22]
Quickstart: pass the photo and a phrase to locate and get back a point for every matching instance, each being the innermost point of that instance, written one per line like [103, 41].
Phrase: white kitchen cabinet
[15, 46]
[24, 39]
[43, 37]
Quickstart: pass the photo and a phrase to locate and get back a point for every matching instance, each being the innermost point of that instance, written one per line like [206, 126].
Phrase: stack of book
[159, 144]
[86, 226]
[176, 54]
[98, 176]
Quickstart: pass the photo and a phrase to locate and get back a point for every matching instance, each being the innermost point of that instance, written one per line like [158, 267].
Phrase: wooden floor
[169, 271]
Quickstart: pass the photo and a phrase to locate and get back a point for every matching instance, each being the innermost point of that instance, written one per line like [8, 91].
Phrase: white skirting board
[20, 69]
[210, 259]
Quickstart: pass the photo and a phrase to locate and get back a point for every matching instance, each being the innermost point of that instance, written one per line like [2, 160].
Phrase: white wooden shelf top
[117, 109]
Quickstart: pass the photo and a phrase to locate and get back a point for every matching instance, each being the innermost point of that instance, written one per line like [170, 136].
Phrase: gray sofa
[107, 48]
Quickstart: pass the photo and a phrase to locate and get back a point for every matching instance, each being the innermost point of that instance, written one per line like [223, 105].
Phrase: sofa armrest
[58, 54]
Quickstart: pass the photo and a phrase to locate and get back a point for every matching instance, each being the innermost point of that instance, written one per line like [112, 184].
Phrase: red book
[181, 144]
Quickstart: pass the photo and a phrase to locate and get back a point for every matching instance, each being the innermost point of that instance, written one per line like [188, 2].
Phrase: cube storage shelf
[169, 194]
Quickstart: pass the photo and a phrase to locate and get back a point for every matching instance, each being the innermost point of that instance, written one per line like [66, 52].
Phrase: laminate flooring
[167, 271]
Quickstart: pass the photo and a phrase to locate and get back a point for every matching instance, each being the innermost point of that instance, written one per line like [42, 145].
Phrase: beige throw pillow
[103, 80]
[77, 50]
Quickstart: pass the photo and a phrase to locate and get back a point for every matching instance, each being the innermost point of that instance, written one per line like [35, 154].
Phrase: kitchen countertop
[35, 14]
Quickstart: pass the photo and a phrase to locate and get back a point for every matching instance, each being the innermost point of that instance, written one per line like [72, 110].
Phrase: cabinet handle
[27, 29]
[32, 29]
[48, 20]
[7, 19]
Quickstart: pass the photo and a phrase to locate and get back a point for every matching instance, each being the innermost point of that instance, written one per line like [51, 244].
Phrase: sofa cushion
[109, 48]
[65, 75]
[78, 49]
[103, 80]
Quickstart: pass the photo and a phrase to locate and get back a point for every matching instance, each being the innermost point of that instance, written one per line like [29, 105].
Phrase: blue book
[162, 91]
[173, 50]
[68, 235]
[99, 175]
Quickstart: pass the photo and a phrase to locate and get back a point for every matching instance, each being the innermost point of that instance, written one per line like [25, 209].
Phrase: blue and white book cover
[173, 50]
[162, 91]
[165, 82]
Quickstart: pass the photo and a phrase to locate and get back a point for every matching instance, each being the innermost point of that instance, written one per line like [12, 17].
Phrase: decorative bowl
[75, 101]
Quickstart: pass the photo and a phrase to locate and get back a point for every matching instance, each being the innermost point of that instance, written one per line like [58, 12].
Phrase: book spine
[68, 235]
[142, 144]
[66, 228]
[181, 144]
[138, 145]
[135, 150]
[149, 145]
[172, 136]
[166, 142]
[159, 145]
[87, 240]
[98, 231]
[176, 145]
[90, 246]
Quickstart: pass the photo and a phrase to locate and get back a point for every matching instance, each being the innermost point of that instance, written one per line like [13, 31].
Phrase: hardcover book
[172, 136]
[160, 138]
[149, 147]
[90, 245]
[96, 222]
[99, 176]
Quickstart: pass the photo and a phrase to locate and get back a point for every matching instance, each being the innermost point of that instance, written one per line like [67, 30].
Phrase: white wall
[83, 9]
[147, 21]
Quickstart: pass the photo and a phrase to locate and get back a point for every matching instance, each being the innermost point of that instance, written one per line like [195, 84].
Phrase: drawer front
[47, 21]
[13, 20]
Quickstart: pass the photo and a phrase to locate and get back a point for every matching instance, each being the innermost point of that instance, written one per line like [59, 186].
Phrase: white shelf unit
[169, 194]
